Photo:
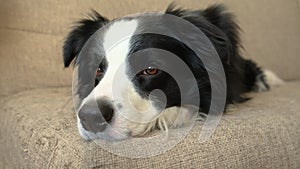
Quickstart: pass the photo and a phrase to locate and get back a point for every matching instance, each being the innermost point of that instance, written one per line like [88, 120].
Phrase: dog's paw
[266, 80]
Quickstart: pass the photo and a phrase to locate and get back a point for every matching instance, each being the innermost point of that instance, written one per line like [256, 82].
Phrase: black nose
[106, 108]
[95, 118]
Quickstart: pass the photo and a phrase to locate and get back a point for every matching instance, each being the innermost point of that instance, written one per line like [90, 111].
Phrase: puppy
[151, 97]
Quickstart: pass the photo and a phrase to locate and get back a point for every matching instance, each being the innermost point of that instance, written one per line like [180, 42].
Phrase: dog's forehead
[121, 38]
[119, 33]
[117, 39]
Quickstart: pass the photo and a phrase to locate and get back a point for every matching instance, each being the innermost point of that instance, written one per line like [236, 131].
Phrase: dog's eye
[99, 72]
[150, 71]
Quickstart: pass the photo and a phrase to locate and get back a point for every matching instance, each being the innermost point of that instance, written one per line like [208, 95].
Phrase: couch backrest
[32, 32]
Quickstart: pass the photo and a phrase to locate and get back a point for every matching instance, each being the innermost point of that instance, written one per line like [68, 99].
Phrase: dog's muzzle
[95, 118]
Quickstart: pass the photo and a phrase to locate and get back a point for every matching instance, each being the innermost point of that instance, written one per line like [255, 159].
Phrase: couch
[37, 121]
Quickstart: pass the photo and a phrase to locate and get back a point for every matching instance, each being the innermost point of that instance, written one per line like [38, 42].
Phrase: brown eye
[150, 71]
[99, 72]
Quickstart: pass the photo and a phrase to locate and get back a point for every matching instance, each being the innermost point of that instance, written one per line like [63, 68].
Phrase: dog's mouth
[113, 124]
[108, 121]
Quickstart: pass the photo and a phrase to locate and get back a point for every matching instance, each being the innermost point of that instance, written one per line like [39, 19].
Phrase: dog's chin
[119, 129]
[122, 128]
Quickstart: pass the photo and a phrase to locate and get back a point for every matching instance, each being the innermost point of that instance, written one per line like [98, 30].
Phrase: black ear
[219, 16]
[81, 32]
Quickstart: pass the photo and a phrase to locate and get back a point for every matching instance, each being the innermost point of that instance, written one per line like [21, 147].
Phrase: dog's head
[144, 79]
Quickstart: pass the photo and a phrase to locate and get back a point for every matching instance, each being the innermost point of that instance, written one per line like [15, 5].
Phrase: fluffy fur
[133, 112]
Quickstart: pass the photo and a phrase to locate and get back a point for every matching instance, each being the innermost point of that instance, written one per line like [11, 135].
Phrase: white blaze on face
[116, 84]
[116, 45]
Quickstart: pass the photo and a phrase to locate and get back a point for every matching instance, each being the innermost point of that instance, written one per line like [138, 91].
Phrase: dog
[138, 110]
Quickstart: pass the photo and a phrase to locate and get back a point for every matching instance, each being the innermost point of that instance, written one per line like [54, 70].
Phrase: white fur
[172, 117]
[271, 79]
[117, 86]
[116, 45]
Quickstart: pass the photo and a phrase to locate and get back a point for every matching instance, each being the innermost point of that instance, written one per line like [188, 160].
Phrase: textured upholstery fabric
[38, 126]
[38, 130]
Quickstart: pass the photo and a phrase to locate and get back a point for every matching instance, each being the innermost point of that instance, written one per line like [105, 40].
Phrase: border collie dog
[137, 109]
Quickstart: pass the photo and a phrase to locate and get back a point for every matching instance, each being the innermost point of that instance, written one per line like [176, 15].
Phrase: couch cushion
[38, 130]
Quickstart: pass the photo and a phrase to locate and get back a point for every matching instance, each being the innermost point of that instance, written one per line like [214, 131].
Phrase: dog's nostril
[81, 116]
[106, 110]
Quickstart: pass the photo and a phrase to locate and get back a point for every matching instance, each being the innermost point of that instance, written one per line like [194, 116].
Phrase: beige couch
[38, 125]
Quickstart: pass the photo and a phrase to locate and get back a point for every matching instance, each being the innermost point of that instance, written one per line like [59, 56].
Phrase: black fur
[81, 32]
[222, 30]
[163, 80]
[216, 23]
